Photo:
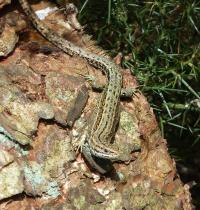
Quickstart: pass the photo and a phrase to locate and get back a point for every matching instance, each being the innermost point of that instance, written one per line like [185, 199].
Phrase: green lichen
[80, 202]
[40, 185]
[130, 126]
[33, 174]
[59, 154]
[127, 123]
[53, 189]
[115, 202]
[134, 197]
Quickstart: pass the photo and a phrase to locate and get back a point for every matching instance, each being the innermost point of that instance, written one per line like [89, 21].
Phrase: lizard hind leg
[128, 92]
[94, 83]
[101, 165]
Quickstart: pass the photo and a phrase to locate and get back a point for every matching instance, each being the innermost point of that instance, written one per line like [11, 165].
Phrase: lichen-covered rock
[8, 40]
[11, 180]
[53, 155]
[140, 194]
[8, 143]
[64, 97]
[10, 25]
[36, 183]
[127, 136]
[83, 197]
[5, 158]
[20, 116]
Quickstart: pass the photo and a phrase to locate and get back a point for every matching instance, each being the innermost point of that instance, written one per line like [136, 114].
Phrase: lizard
[98, 136]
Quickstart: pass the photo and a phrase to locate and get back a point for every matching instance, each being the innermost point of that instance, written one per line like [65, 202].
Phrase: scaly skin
[103, 128]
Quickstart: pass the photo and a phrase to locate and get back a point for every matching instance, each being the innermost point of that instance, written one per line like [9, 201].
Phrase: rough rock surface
[10, 24]
[5, 158]
[11, 180]
[4, 2]
[45, 104]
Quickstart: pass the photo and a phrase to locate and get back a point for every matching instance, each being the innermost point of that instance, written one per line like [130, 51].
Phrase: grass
[159, 43]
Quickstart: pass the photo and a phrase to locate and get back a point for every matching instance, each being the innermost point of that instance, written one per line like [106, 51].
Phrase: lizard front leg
[125, 92]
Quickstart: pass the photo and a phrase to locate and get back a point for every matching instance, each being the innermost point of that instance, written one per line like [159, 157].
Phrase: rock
[53, 155]
[66, 99]
[5, 158]
[11, 180]
[36, 183]
[8, 40]
[19, 115]
[4, 2]
[83, 197]
[10, 25]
